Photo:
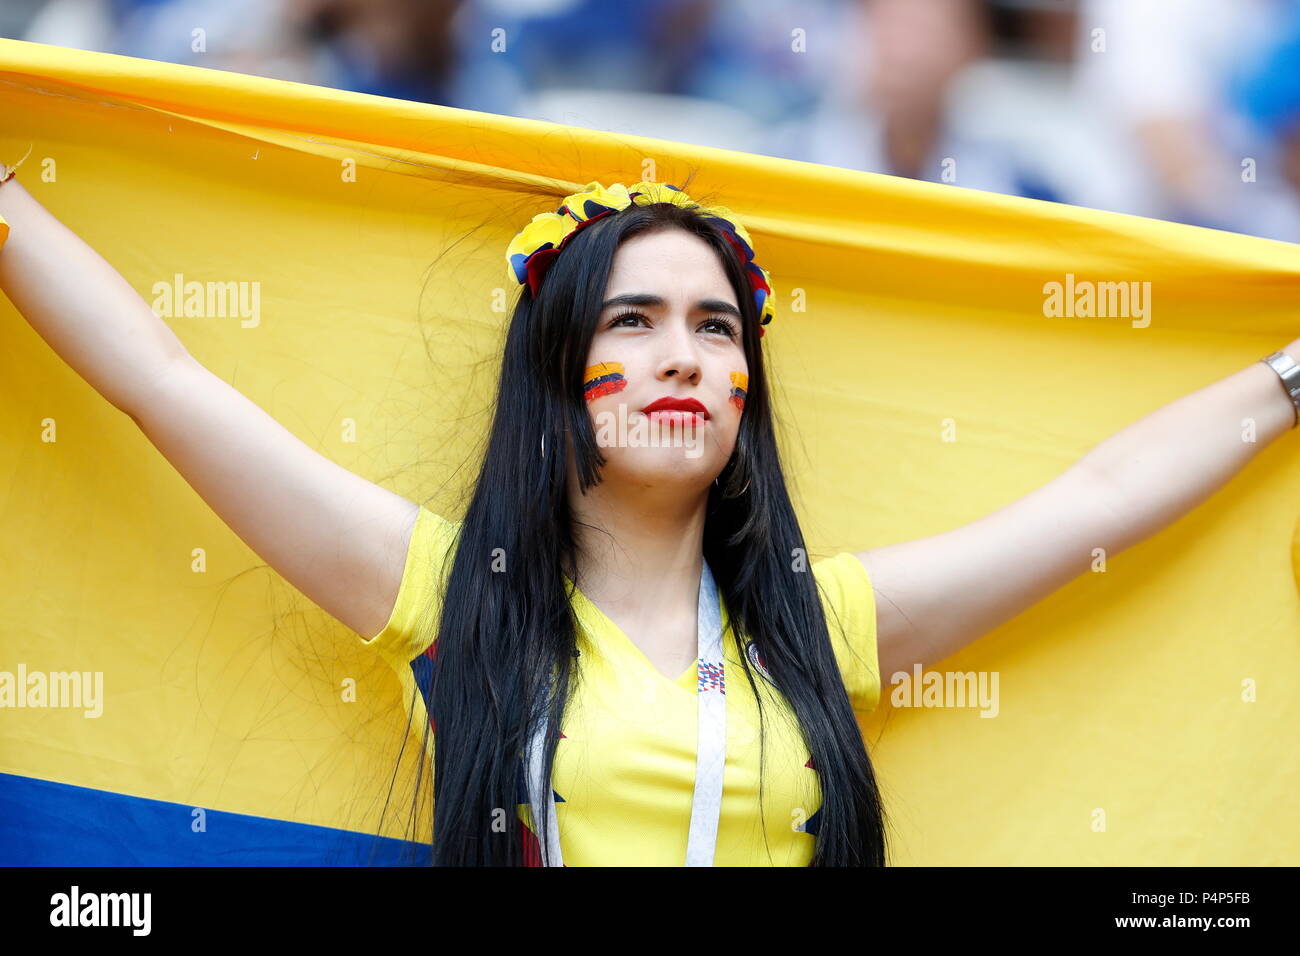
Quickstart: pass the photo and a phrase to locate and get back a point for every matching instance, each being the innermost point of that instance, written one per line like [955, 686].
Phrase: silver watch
[1289, 371]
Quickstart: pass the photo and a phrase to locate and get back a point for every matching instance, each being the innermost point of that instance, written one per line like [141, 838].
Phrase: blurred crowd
[1186, 110]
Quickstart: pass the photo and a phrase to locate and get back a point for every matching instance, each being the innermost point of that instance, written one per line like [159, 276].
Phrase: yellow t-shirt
[624, 770]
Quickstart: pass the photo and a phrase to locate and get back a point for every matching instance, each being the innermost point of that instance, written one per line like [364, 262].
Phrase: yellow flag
[937, 352]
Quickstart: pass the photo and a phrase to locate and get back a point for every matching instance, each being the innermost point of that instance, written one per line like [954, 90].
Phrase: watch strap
[1289, 371]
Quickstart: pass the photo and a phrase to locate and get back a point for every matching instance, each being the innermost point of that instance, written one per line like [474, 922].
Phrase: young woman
[634, 662]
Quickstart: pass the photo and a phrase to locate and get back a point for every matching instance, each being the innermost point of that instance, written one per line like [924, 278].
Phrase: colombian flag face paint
[605, 378]
[739, 388]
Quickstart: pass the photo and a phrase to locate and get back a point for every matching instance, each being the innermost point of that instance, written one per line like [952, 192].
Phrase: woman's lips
[674, 417]
[691, 406]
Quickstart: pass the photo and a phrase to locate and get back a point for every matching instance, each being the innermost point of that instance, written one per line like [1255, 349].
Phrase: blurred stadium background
[1187, 110]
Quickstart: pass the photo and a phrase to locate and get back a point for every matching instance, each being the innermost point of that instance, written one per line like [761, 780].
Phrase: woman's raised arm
[338, 538]
[940, 593]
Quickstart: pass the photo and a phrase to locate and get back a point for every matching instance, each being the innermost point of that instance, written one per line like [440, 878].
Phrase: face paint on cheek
[739, 389]
[605, 378]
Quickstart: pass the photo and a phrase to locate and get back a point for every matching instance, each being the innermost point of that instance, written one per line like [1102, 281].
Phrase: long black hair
[506, 638]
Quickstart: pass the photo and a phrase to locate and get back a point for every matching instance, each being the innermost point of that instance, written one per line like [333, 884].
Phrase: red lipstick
[670, 404]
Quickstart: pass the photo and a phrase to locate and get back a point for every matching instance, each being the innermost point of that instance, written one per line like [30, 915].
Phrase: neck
[639, 549]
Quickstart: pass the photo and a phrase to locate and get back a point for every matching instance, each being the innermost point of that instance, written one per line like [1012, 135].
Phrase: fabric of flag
[337, 257]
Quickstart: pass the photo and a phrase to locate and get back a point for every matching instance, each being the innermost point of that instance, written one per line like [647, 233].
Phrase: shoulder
[410, 626]
[849, 602]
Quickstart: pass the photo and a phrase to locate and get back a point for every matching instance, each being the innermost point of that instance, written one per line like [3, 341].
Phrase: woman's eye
[716, 324]
[725, 326]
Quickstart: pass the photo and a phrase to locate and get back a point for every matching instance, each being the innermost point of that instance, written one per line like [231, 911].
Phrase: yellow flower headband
[536, 246]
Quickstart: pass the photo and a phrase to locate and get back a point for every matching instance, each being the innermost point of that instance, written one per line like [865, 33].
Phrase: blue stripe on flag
[43, 823]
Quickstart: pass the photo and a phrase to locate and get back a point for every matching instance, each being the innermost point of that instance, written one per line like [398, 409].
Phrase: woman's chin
[655, 467]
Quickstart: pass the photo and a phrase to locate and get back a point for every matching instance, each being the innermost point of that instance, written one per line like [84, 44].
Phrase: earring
[543, 448]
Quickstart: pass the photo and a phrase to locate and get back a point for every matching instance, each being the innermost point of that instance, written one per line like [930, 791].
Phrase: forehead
[669, 262]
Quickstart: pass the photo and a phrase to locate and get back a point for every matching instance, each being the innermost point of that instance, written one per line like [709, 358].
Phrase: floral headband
[534, 249]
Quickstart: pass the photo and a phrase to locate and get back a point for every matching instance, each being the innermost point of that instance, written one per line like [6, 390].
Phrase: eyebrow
[648, 299]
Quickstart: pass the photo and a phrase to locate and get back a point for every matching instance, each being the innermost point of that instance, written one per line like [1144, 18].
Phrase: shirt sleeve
[850, 606]
[413, 622]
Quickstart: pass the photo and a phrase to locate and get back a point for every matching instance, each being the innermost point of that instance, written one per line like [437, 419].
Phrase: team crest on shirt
[756, 659]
